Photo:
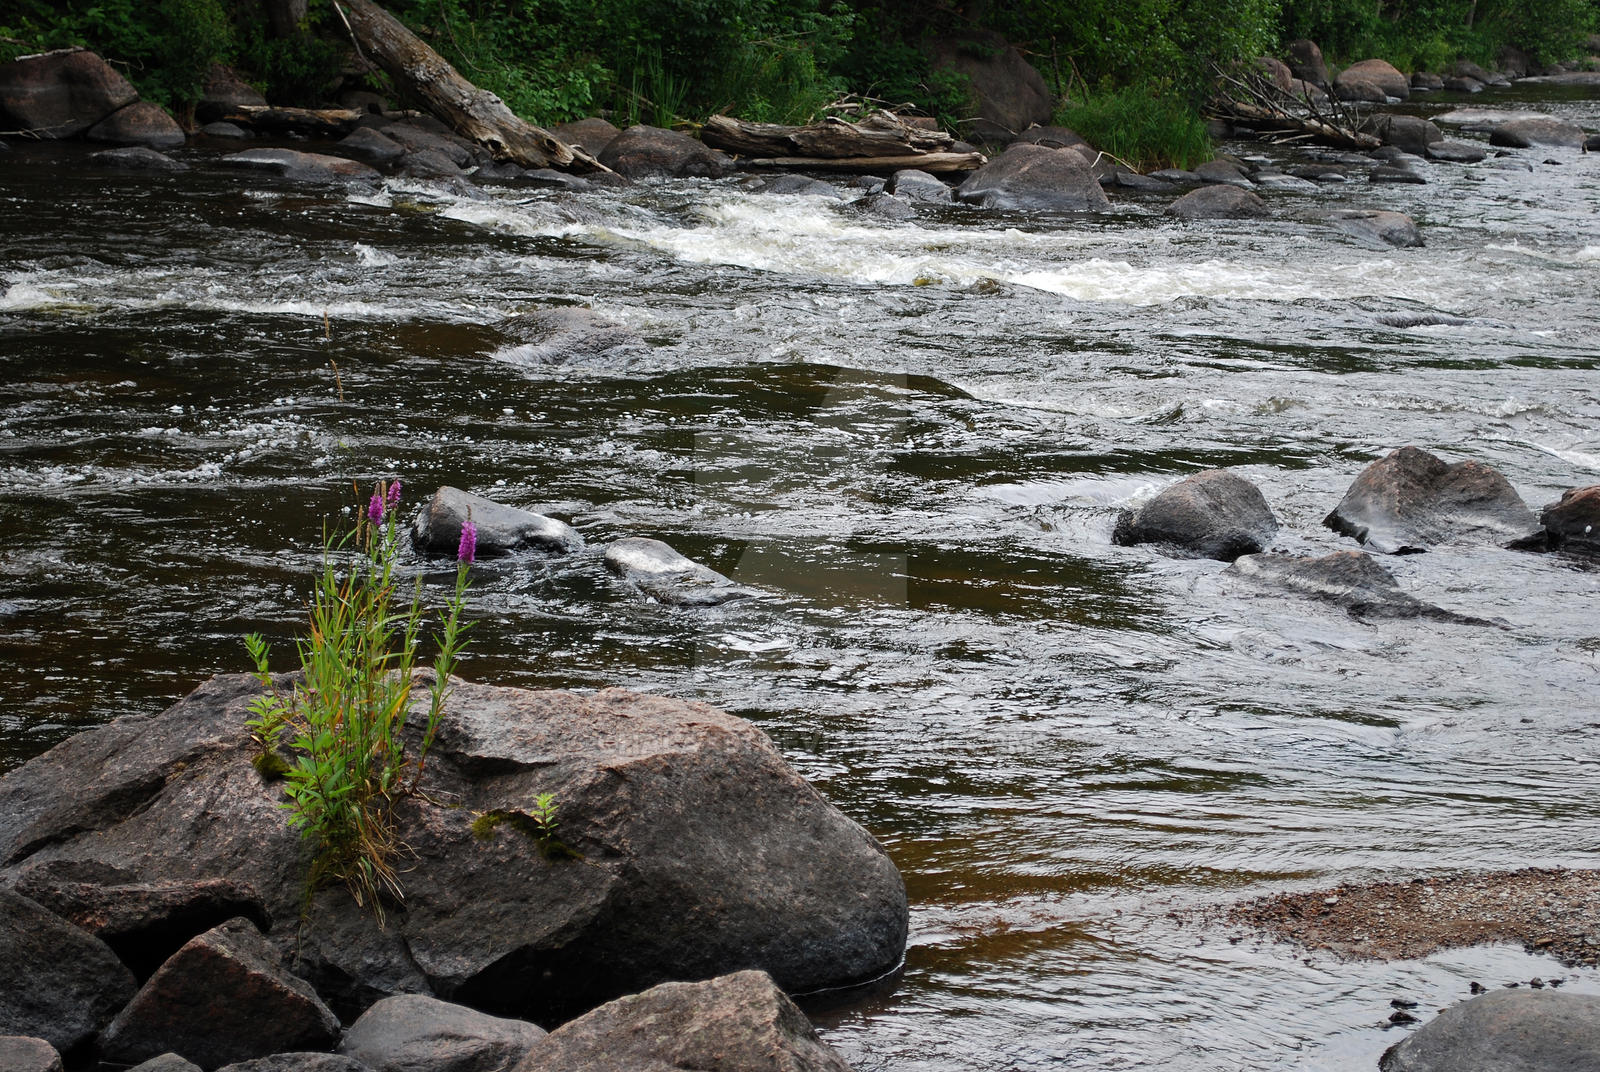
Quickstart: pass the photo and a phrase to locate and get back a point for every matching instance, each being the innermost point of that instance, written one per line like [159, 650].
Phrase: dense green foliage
[1136, 70]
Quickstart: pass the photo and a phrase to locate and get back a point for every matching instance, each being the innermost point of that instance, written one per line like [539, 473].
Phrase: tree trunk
[314, 122]
[874, 165]
[471, 112]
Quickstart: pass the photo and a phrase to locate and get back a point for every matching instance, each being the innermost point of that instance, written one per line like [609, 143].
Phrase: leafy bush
[344, 719]
[1142, 126]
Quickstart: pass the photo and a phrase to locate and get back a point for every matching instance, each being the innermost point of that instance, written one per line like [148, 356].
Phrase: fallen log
[1251, 100]
[315, 122]
[874, 165]
[881, 134]
[473, 113]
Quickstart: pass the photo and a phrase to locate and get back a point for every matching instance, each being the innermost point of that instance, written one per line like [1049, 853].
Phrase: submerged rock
[136, 158]
[1034, 178]
[416, 1033]
[568, 334]
[1408, 132]
[1378, 228]
[1457, 152]
[501, 529]
[650, 152]
[656, 569]
[223, 997]
[1505, 1031]
[1348, 579]
[1412, 501]
[703, 852]
[62, 984]
[1214, 514]
[302, 167]
[740, 1022]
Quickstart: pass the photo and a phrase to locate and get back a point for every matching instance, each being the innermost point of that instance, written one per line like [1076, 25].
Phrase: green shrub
[343, 721]
[1145, 127]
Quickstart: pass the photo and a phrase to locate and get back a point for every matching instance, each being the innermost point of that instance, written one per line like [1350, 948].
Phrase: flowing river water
[913, 437]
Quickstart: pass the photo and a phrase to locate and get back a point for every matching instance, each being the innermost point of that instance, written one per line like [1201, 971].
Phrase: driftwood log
[316, 122]
[882, 142]
[873, 165]
[1252, 101]
[473, 113]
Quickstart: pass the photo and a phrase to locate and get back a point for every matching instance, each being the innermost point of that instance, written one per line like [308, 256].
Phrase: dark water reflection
[1059, 741]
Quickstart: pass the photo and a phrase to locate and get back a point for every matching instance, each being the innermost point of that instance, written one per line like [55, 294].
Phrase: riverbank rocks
[1348, 579]
[62, 984]
[1214, 514]
[661, 572]
[22, 1054]
[1377, 228]
[140, 123]
[1034, 178]
[919, 186]
[136, 158]
[416, 1033]
[1305, 60]
[300, 167]
[222, 998]
[1411, 133]
[1505, 1031]
[373, 145]
[61, 94]
[646, 152]
[1379, 73]
[1010, 94]
[1543, 133]
[1457, 152]
[223, 93]
[501, 529]
[592, 135]
[1571, 525]
[700, 851]
[1412, 501]
[1218, 203]
[740, 1022]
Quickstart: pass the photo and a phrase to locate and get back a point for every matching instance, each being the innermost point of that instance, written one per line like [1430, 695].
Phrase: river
[913, 437]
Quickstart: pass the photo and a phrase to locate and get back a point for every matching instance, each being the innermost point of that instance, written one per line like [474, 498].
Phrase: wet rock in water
[1426, 82]
[1348, 579]
[1292, 184]
[916, 185]
[1461, 84]
[703, 851]
[1572, 524]
[223, 997]
[427, 164]
[1177, 176]
[1457, 152]
[884, 206]
[19, 1053]
[1132, 180]
[642, 152]
[1504, 1031]
[569, 334]
[1412, 501]
[740, 1021]
[1545, 132]
[136, 158]
[140, 123]
[416, 1033]
[1409, 133]
[144, 923]
[592, 135]
[1380, 73]
[659, 571]
[62, 984]
[1034, 178]
[549, 177]
[799, 186]
[1423, 320]
[220, 129]
[223, 92]
[61, 94]
[501, 529]
[299, 1062]
[1218, 203]
[373, 145]
[1215, 514]
[1591, 144]
[1392, 173]
[1222, 173]
[1377, 227]
[417, 139]
[301, 167]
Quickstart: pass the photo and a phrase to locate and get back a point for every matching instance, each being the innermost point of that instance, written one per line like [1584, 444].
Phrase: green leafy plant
[337, 735]
[538, 822]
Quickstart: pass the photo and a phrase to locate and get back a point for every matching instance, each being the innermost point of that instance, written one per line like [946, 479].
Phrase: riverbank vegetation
[1136, 71]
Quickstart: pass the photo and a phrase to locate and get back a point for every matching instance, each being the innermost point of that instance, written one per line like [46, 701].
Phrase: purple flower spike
[393, 500]
[468, 551]
[375, 508]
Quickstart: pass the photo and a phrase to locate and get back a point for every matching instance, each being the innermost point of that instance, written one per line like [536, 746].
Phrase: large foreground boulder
[736, 1023]
[1412, 501]
[1505, 1031]
[61, 94]
[1035, 178]
[416, 1033]
[501, 529]
[1348, 579]
[222, 998]
[61, 984]
[646, 152]
[701, 851]
[1213, 514]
